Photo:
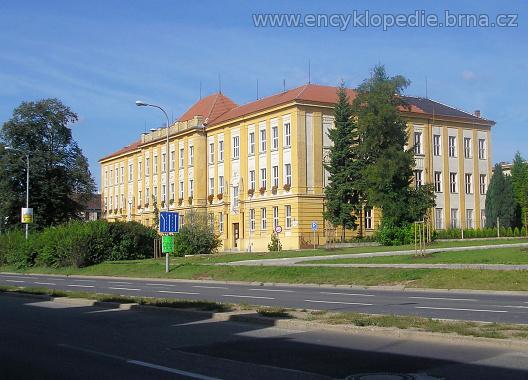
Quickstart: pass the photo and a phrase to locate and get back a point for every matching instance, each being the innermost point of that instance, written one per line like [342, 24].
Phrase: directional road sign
[169, 222]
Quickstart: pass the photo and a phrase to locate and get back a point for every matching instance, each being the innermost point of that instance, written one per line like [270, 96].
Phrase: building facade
[259, 166]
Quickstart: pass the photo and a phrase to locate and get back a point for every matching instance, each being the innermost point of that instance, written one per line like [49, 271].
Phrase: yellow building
[257, 166]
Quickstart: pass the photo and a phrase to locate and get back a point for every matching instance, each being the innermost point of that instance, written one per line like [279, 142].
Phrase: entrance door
[235, 234]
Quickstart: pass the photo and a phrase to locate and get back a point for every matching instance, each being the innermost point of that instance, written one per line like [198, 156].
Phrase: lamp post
[140, 103]
[27, 180]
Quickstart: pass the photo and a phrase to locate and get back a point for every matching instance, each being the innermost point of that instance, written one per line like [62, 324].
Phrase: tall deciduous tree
[60, 180]
[388, 169]
[519, 175]
[343, 165]
[500, 200]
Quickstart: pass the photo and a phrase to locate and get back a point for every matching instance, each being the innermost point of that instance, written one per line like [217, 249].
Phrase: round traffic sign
[314, 226]
[278, 229]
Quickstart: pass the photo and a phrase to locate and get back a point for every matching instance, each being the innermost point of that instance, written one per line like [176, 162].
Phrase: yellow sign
[27, 215]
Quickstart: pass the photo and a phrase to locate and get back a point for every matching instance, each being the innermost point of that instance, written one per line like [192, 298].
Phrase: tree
[343, 165]
[197, 236]
[60, 180]
[519, 176]
[387, 167]
[500, 200]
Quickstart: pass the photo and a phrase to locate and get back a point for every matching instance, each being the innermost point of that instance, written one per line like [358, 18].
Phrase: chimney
[477, 113]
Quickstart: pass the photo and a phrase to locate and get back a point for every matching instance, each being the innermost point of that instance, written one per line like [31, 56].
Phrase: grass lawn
[423, 278]
[514, 255]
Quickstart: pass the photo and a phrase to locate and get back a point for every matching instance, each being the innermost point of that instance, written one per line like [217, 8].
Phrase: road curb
[289, 324]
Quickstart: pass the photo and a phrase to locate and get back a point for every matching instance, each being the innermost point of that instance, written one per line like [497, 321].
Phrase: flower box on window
[180, 201]
[219, 196]
[251, 192]
[190, 199]
[274, 190]
[210, 198]
[287, 187]
[171, 201]
[262, 190]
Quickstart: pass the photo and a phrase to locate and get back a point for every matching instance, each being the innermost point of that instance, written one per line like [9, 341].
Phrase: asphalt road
[48, 340]
[444, 305]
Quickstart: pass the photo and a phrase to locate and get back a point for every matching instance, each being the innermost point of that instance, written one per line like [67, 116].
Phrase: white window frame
[287, 135]
[220, 150]
[147, 166]
[418, 178]
[236, 147]
[275, 216]
[275, 172]
[263, 218]
[453, 182]
[263, 178]
[469, 218]
[172, 160]
[181, 189]
[220, 184]
[418, 143]
[468, 179]
[437, 145]
[288, 174]
[454, 218]
[287, 216]
[251, 139]
[130, 172]
[211, 185]
[482, 149]
[482, 184]
[191, 188]
[452, 146]
[235, 197]
[155, 164]
[439, 218]
[252, 179]
[275, 138]
[182, 158]
[221, 221]
[252, 219]
[467, 147]
[191, 155]
[211, 153]
[438, 182]
[368, 218]
[163, 162]
[262, 138]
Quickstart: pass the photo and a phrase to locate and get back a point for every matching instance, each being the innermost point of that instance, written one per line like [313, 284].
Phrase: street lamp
[27, 180]
[140, 103]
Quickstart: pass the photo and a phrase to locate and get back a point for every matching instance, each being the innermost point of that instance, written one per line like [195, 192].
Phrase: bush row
[456, 233]
[77, 244]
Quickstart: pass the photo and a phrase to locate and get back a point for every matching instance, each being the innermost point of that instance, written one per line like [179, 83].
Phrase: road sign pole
[167, 263]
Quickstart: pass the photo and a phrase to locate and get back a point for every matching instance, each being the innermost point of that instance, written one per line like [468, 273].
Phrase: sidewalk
[289, 261]
[424, 266]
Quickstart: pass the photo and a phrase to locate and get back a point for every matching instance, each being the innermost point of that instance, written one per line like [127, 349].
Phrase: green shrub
[196, 237]
[389, 234]
[16, 250]
[131, 241]
[274, 245]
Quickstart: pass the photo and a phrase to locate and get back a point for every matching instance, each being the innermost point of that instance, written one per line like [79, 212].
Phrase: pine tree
[519, 175]
[342, 194]
[388, 168]
[500, 200]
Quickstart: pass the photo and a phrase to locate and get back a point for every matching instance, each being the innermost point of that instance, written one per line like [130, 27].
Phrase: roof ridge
[212, 105]
[304, 87]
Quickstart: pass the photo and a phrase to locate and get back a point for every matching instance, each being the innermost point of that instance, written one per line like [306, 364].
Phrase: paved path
[296, 260]
[506, 267]
[50, 340]
[435, 304]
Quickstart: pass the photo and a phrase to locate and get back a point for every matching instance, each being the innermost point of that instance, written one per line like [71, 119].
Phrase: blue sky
[99, 57]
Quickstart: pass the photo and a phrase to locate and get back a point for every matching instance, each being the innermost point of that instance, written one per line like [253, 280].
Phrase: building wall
[230, 209]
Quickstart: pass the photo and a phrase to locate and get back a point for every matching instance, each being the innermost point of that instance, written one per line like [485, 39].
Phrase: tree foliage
[344, 167]
[500, 200]
[519, 175]
[60, 180]
[196, 236]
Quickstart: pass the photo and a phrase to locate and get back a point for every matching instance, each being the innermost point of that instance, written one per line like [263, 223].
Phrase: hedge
[456, 233]
[77, 244]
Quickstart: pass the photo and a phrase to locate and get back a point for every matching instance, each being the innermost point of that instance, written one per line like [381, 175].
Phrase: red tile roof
[210, 107]
[126, 149]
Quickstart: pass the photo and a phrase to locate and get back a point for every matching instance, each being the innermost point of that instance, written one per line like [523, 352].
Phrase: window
[438, 182]
[155, 165]
[147, 166]
[417, 178]
[122, 174]
[221, 221]
[172, 191]
[439, 223]
[252, 179]
[130, 173]
[482, 184]
[182, 220]
[211, 186]
[275, 217]
[251, 143]
[287, 170]
[163, 162]
[140, 170]
[221, 151]
[211, 153]
[275, 138]
[111, 203]
[287, 135]
[467, 147]
[116, 176]
[191, 155]
[436, 145]
[105, 179]
[252, 219]
[147, 196]
[454, 218]
[452, 182]
[236, 147]
[482, 218]
[368, 218]
[482, 149]
[220, 184]
[155, 194]
[417, 142]
[140, 197]
[172, 160]
[469, 218]
[275, 170]
[262, 140]
[287, 211]
[182, 152]
[191, 188]
[263, 221]
[211, 221]
[163, 199]
[469, 187]
[452, 146]
[180, 189]
[235, 197]
[263, 178]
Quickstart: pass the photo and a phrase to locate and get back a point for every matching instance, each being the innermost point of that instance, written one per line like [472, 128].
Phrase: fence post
[498, 227]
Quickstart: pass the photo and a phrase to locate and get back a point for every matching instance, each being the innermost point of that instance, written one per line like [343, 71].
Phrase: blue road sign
[169, 222]
[314, 226]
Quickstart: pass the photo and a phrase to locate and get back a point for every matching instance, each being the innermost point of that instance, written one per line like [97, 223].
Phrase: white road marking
[172, 370]
[120, 282]
[273, 290]
[24, 277]
[455, 309]
[82, 286]
[45, 283]
[84, 280]
[209, 287]
[444, 298]
[511, 307]
[240, 296]
[172, 292]
[124, 289]
[349, 294]
[159, 285]
[341, 303]
[14, 281]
